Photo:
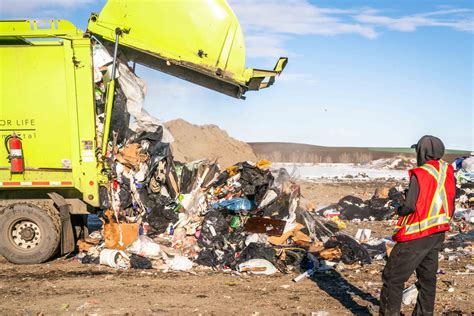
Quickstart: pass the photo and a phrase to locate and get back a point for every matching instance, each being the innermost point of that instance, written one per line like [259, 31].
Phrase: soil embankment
[193, 142]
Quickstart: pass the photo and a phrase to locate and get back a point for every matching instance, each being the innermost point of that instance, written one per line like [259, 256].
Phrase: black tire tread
[52, 235]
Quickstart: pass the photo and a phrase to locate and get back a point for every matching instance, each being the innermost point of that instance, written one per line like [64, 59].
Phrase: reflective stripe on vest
[426, 223]
[439, 198]
[439, 202]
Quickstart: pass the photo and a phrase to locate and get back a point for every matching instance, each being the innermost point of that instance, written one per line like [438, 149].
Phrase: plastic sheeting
[468, 164]
[134, 89]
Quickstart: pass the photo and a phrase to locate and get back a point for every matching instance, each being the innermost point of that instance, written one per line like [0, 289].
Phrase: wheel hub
[25, 234]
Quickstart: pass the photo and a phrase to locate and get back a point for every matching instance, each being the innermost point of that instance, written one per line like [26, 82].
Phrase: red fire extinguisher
[15, 153]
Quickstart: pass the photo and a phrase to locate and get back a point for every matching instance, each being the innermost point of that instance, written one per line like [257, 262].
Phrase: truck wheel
[28, 233]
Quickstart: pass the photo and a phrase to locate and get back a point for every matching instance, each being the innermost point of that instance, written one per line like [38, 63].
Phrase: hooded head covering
[428, 148]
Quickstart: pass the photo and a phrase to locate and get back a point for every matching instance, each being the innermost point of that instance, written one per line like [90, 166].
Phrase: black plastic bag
[351, 200]
[104, 198]
[332, 207]
[254, 181]
[139, 262]
[257, 251]
[208, 258]
[186, 180]
[152, 137]
[214, 230]
[351, 212]
[87, 259]
[221, 179]
[158, 200]
[159, 219]
[281, 177]
[351, 250]
[217, 258]
[376, 249]
[279, 208]
[124, 194]
[120, 118]
[396, 196]
[378, 210]
[377, 203]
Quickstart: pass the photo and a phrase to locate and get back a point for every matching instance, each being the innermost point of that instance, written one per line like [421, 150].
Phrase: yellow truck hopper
[199, 41]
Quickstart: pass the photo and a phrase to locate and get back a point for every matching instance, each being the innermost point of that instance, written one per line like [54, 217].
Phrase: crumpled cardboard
[331, 254]
[295, 233]
[131, 157]
[120, 237]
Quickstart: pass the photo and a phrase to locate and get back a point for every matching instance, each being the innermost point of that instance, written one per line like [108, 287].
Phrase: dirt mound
[194, 142]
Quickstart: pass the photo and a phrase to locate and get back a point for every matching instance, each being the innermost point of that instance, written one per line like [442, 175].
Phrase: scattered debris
[410, 295]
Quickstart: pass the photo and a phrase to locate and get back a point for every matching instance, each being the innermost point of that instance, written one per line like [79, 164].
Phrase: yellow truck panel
[199, 41]
[47, 100]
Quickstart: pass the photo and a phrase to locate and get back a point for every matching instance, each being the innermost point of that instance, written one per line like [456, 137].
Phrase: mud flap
[67, 234]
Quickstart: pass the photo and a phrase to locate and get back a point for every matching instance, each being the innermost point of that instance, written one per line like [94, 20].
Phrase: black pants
[420, 255]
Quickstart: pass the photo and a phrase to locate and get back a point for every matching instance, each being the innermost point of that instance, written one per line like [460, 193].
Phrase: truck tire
[29, 233]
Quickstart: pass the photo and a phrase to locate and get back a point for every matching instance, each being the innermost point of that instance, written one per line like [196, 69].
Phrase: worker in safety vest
[423, 220]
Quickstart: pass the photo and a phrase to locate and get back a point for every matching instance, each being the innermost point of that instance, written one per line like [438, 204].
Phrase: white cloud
[296, 17]
[268, 24]
[265, 45]
[458, 19]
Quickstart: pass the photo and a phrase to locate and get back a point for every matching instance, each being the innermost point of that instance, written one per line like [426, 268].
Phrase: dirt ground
[64, 286]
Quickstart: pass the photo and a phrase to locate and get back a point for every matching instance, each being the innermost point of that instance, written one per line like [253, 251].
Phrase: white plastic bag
[134, 89]
[144, 246]
[258, 266]
[268, 198]
[468, 164]
[180, 263]
[410, 295]
[194, 202]
[256, 238]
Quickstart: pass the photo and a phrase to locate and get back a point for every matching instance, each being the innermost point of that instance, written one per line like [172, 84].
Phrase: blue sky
[360, 73]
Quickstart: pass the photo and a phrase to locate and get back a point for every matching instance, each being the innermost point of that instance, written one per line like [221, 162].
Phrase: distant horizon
[317, 145]
[368, 147]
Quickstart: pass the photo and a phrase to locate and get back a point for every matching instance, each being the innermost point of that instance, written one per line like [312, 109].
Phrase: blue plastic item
[235, 204]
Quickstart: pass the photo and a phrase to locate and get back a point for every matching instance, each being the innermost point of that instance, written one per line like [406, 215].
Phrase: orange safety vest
[434, 206]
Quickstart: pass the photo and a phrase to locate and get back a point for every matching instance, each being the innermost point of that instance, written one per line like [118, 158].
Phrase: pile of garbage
[464, 214]
[464, 171]
[380, 207]
[169, 215]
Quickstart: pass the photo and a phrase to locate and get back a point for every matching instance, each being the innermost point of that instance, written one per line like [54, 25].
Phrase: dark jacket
[428, 148]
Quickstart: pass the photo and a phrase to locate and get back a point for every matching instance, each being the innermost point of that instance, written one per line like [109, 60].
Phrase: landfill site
[129, 215]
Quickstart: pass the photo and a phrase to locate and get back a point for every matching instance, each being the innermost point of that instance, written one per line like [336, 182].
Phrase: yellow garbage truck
[51, 156]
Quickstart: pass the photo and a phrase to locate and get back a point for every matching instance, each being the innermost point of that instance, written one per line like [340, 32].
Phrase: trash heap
[167, 215]
[464, 212]
[380, 207]
[459, 243]
[464, 171]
